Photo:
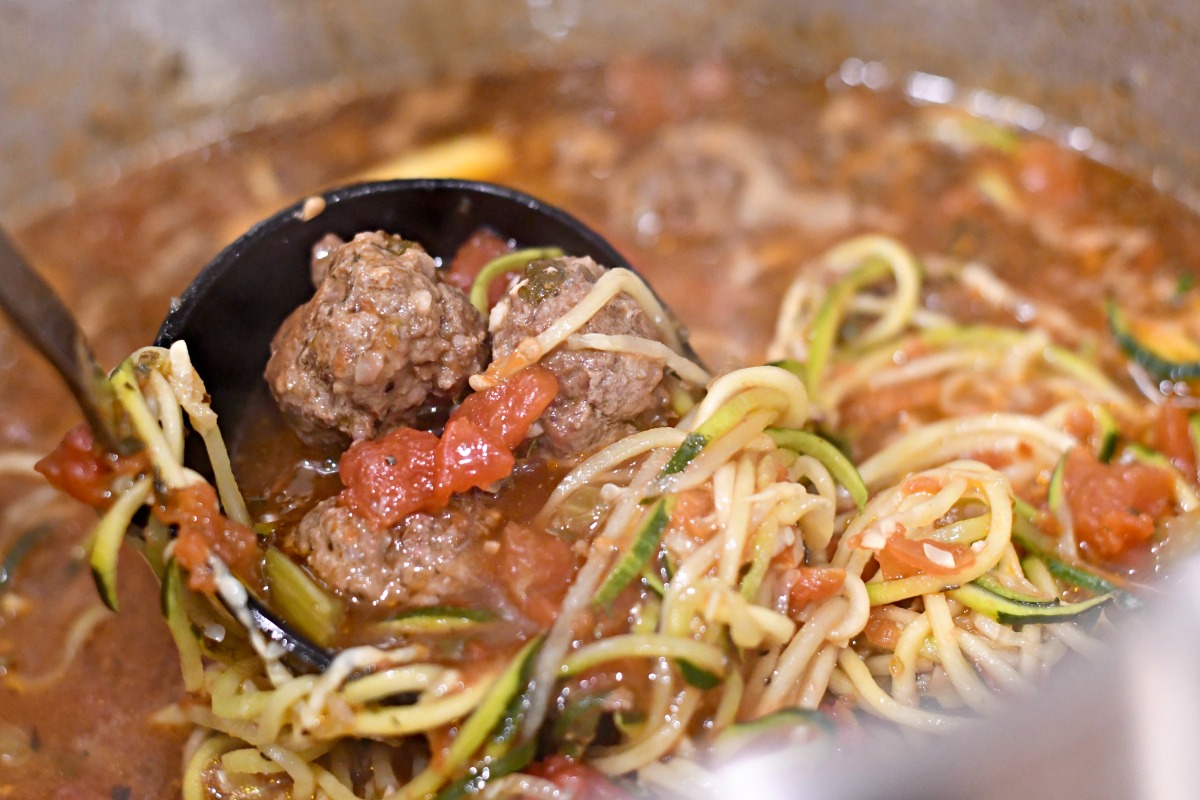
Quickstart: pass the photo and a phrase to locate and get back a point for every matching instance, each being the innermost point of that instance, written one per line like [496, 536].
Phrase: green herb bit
[509, 262]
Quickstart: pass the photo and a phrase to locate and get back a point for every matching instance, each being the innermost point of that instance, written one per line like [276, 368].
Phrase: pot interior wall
[88, 88]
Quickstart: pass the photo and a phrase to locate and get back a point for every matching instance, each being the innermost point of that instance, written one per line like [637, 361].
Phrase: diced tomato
[1046, 521]
[882, 632]
[1079, 423]
[509, 409]
[473, 255]
[814, 584]
[1114, 506]
[84, 471]
[693, 515]
[469, 458]
[203, 529]
[1172, 438]
[922, 484]
[902, 557]
[578, 781]
[407, 470]
[999, 459]
[391, 477]
[537, 568]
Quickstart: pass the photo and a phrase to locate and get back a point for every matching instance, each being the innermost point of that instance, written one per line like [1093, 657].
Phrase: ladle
[234, 306]
[50, 327]
[232, 309]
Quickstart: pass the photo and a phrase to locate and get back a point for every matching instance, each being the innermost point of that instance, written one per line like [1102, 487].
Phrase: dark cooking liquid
[649, 154]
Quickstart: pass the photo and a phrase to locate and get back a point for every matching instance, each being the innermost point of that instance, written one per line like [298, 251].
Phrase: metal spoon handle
[49, 326]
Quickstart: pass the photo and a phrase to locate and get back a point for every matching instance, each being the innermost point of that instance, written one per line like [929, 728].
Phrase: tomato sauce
[601, 150]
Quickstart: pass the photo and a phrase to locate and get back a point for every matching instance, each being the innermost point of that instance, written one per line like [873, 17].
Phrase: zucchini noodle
[688, 371]
[753, 559]
[609, 285]
[801, 302]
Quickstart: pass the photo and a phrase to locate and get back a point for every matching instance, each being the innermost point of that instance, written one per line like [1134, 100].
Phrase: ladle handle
[50, 327]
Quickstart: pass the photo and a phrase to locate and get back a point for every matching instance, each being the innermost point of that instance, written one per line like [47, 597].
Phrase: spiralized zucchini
[766, 564]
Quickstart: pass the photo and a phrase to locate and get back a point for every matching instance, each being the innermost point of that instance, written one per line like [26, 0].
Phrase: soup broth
[719, 180]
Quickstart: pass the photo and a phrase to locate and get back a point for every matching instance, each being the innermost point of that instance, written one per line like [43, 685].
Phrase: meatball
[426, 559]
[383, 337]
[599, 393]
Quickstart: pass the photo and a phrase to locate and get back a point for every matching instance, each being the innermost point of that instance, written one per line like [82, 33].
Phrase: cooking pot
[90, 90]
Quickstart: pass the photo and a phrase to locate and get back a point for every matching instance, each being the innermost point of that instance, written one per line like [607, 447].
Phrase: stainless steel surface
[1123, 725]
[89, 87]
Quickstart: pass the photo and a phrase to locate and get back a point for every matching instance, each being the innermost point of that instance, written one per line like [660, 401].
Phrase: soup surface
[720, 181]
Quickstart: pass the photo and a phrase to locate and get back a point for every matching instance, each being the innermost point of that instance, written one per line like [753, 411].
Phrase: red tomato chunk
[578, 781]
[408, 470]
[476, 253]
[815, 584]
[204, 530]
[902, 557]
[84, 471]
[1172, 437]
[469, 457]
[508, 410]
[391, 477]
[538, 568]
[1114, 506]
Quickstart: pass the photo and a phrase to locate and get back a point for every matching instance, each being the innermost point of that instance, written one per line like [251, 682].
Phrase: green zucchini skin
[300, 599]
[1141, 353]
[1018, 613]
[1054, 494]
[493, 728]
[477, 777]
[1107, 445]
[830, 316]
[698, 677]
[779, 728]
[691, 447]
[436, 619]
[989, 582]
[783, 718]
[820, 448]
[107, 540]
[634, 560]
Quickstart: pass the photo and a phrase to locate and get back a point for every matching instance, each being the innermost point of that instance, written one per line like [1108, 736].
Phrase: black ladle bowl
[232, 309]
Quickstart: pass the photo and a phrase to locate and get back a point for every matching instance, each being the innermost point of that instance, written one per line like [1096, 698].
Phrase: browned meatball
[426, 559]
[383, 337]
[599, 393]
